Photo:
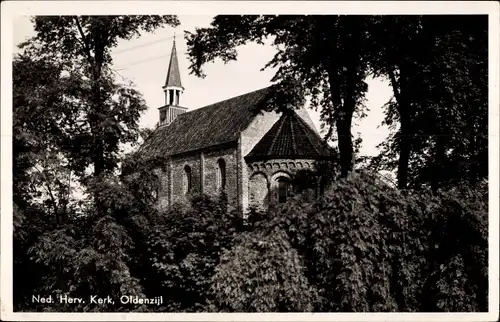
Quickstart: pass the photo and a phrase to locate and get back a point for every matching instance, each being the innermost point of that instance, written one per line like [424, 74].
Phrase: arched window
[221, 174]
[283, 189]
[187, 179]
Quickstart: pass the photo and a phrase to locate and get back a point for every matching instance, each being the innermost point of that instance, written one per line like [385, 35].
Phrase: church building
[230, 146]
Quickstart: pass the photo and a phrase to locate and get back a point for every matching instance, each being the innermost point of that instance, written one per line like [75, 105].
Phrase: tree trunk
[99, 138]
[404, 150]
[345, 108]
[96, 44]
[438, 174]
[344, 123]
[98, 155]
[401, 94]
[348, 107]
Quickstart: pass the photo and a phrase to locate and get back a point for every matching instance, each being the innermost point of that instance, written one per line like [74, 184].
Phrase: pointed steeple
[173, 74]
[173, 90]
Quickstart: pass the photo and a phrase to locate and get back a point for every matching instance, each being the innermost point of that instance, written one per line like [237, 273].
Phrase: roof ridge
[275, 139]
[306, 130]
[294, 143]
[231, 98]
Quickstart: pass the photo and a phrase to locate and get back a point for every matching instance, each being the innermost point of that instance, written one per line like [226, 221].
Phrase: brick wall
[267, 172]
[258, 191]
[229, 155]
[238, 173]
[201, 162]
[163, 196]
[178, 164]
[248, 139]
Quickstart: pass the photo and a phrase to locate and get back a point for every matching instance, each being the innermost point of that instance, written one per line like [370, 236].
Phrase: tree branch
[84, 40]
[394, 83]
[48, 190]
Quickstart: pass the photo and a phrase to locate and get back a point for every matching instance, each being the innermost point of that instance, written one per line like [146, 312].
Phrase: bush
[91, 254]
[457, 278]
[185, 248]
[261, 273]
[363, 246]
[369, 247]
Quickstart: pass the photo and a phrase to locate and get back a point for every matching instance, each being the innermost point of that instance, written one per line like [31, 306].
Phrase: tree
[108, 112]
[41, 179]
[70, 115]
[40, 97]
[317, 56]
[437, 69]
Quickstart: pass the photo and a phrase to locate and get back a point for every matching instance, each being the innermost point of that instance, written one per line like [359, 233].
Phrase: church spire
[173, 74]
[173, 90]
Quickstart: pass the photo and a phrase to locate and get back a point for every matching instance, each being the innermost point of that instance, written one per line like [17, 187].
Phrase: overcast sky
[144, 61]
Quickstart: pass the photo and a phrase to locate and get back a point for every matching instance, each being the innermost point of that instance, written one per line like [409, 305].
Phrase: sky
[144, 61]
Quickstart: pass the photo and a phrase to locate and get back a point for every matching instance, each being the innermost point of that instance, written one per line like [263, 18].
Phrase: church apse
[277, 174]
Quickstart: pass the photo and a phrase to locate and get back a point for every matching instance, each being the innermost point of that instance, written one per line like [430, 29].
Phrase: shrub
[261, 273]
[457, 277]
[363, 246]
[91, 254]
[185, 249]
[367, 246]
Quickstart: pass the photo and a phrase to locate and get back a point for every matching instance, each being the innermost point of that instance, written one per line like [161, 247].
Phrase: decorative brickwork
[178, 175]
[268, 172]
[228, 146]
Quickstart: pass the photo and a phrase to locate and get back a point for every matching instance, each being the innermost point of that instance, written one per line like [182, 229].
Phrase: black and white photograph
[246, 158]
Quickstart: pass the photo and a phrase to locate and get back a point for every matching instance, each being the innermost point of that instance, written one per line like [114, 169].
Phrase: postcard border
[15, 8]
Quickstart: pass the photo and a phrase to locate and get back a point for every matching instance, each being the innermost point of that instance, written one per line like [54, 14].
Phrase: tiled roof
[290, 137]
[173, 74]
[211, 125]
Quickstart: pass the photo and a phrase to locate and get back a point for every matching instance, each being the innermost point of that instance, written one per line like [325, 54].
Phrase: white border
[11, 9]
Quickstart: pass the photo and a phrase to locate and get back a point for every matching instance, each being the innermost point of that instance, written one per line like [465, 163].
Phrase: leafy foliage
[91, 253]
[261, 273]
[366, 246]
[184, 247]
[437, 67]
[70, 116]
[317, 56]
[105, 109]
